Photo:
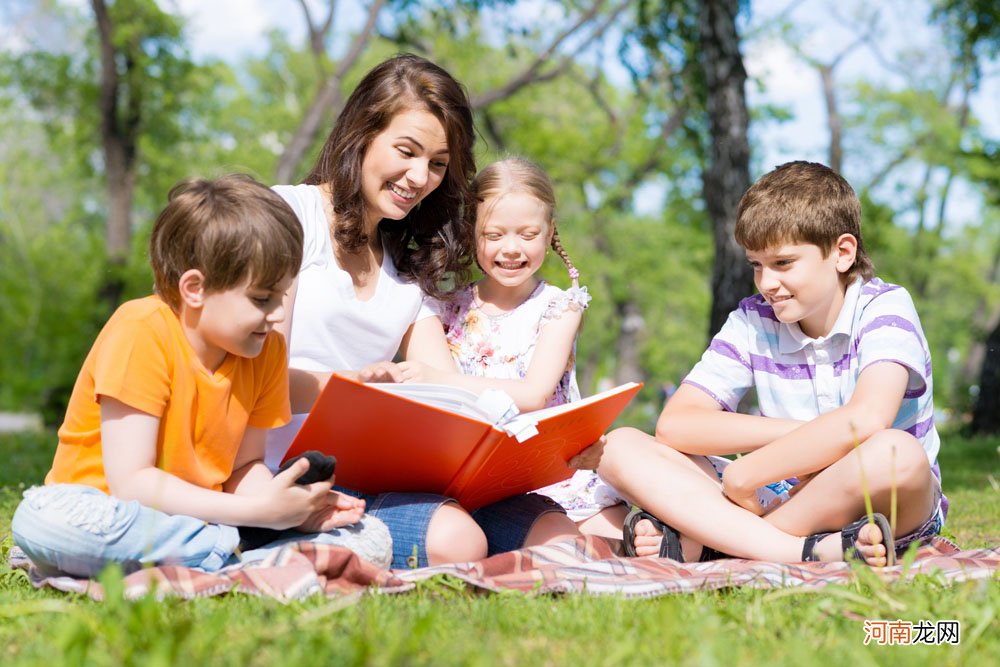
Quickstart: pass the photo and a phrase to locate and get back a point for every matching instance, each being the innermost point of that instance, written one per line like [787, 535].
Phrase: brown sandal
[849, 540]
[670, 543]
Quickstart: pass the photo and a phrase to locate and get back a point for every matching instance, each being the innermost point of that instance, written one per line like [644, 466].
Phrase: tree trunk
[982, 321]
[833, 120]
[986, 414]
[627, 346]
[727, 174]
[119, 125]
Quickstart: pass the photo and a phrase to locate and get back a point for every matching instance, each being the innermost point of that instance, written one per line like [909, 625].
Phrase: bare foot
[648, 537]
[869, 545]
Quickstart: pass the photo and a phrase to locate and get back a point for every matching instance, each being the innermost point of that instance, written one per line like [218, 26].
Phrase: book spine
[474, 462]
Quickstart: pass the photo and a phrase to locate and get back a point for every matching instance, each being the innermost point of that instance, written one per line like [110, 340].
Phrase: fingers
[407, 372]
[590, 458]
[293, 472]
[384, 371]
[412, 371]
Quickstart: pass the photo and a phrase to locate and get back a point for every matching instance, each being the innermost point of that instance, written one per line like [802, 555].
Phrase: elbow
[135, 484]
[669, 429]
[664, 429]
[864, 423]
[532, 402]
[123, 489]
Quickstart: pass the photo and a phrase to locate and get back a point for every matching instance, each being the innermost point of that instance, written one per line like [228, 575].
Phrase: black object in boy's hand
[321, 468]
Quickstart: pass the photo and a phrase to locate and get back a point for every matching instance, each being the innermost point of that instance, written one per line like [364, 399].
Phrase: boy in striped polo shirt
[842, 375]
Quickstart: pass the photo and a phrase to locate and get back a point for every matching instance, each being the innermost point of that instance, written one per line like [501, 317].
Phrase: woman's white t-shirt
[331, 328]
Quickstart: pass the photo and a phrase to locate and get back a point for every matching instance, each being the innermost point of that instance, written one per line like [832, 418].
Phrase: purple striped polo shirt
[797, 377]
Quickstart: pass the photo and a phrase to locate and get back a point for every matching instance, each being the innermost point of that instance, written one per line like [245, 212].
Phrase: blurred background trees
[652, 117]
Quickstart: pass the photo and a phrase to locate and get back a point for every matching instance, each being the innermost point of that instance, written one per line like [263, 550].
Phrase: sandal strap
[708, 553]
[809, 547]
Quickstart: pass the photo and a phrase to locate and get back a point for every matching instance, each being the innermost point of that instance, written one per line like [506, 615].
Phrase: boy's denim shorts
[928, 528]
[408, 514]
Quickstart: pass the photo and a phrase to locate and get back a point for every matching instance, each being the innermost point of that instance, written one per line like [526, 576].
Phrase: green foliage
[41, 304]
[976, 23]
[601, 141]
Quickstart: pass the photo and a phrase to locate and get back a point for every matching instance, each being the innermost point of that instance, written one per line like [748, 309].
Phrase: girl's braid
[558, 247]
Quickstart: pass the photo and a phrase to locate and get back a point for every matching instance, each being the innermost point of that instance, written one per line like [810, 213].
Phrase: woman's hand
[383, 371]
[589, 458]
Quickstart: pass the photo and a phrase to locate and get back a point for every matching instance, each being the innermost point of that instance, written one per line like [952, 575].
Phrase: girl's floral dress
[501, 346]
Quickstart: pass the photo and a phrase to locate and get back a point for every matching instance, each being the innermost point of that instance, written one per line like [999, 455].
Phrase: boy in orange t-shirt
[161, 452]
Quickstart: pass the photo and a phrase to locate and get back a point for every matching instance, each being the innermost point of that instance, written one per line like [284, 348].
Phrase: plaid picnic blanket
[585, 565]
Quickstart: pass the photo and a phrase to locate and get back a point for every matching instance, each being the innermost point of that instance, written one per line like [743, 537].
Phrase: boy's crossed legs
[685, 493]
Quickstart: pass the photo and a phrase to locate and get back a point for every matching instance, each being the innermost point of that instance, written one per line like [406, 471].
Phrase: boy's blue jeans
[78, 530]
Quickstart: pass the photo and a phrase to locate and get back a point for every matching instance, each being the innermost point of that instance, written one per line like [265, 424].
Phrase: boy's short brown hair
[229, 228]
[802, 202]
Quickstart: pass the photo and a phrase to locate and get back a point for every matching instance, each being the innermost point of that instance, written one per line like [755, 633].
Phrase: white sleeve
[429, 307]
[889, 330]
[724, 371]
[314, 229]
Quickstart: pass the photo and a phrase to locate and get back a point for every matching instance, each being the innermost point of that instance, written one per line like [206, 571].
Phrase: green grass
[442, 622]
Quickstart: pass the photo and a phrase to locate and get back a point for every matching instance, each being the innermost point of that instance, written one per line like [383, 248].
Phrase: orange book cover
[392, 438]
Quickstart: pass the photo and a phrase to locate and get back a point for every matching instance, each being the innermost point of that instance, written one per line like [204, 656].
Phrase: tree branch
[328, 100]
[531, 73]
[317, 35]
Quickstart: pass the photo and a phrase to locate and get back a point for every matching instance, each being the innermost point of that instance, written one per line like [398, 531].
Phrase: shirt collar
[790, 336]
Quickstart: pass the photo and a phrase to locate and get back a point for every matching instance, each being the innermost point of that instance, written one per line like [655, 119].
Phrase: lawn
[444, 623]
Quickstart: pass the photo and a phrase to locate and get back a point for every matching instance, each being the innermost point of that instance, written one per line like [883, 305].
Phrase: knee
[622, 447]
[66, 507]
[62, 527]
[551, 527]
[902, 456]
[454, 537]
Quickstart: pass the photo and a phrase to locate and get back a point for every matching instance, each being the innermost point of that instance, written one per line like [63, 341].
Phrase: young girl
[515, 332]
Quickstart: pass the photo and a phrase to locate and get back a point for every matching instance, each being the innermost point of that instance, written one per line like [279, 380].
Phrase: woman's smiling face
[403, 164]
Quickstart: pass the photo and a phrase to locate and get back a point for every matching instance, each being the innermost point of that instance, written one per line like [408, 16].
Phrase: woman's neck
[502, 298]
[372, 250]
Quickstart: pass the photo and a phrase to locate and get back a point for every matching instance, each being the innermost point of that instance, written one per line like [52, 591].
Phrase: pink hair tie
[574, 274]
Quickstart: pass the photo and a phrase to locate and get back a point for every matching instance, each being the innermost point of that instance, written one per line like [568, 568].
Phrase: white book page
[493, 406]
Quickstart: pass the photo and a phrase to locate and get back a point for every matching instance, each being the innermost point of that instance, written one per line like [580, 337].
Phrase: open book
[448, 440]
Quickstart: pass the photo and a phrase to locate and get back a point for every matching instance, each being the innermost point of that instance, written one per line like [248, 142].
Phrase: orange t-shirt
[143, 359]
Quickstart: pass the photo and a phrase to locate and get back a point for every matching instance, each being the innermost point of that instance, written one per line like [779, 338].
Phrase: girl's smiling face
[404, 163]
[513, 232]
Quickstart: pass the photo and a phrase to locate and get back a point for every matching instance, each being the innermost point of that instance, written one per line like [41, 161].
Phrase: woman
[381, 214]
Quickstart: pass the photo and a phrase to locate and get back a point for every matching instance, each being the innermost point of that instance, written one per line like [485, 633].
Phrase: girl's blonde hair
[517, 174]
